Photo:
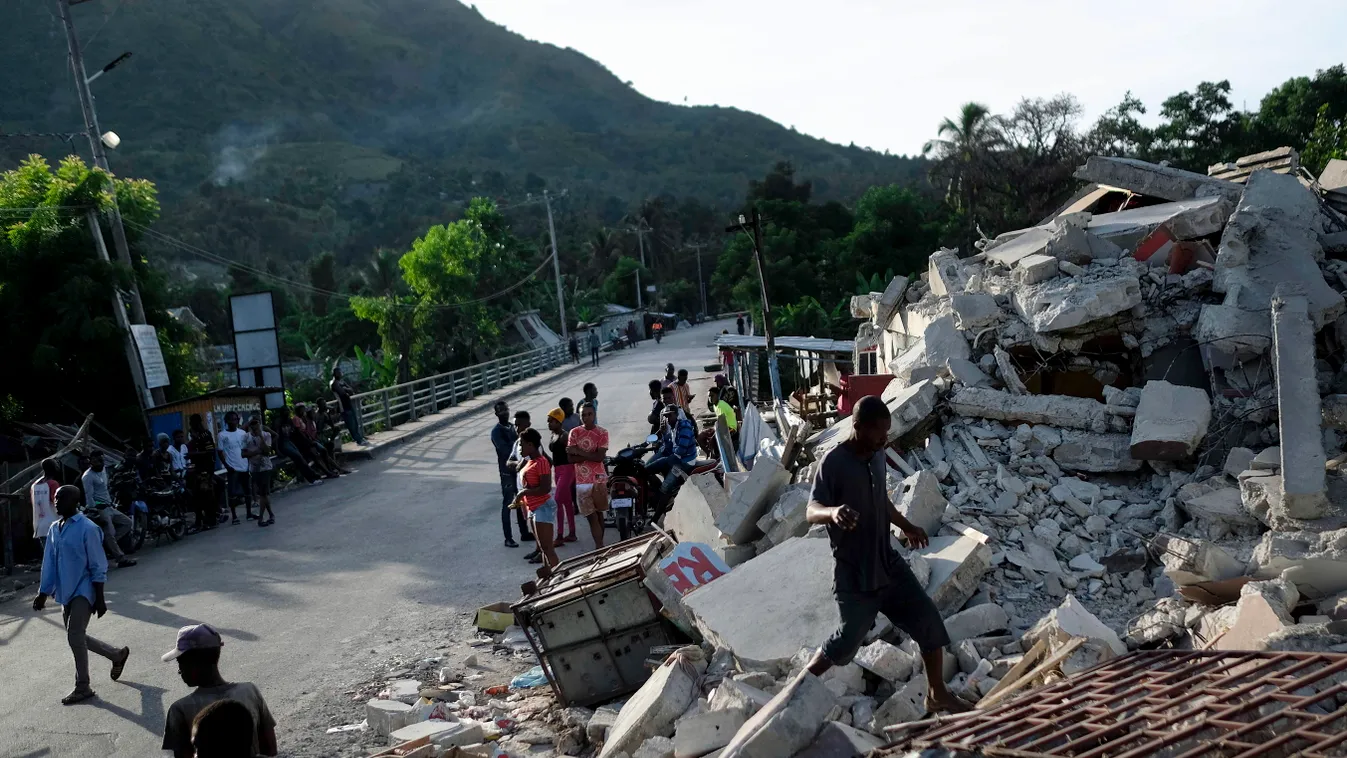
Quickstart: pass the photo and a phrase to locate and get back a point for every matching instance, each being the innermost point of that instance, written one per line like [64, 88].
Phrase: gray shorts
[903, 601]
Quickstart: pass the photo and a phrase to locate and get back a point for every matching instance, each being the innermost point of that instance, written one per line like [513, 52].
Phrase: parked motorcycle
[631, 487]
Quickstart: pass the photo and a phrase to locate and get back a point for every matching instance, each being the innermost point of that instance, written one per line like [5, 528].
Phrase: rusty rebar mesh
[1168, 703]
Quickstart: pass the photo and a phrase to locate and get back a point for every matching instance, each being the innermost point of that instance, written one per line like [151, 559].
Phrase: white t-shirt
[231, 446]
[179, 455]
[44, 510]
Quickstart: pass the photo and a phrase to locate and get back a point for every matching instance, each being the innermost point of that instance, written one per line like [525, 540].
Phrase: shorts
[261, 481]
[585, 500]
[236, 483]
[545, 513]
[904, 601]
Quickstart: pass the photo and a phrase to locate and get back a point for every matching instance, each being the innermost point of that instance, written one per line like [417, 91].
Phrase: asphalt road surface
[402, 551]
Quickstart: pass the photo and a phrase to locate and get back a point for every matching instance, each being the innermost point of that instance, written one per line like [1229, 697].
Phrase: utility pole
[773, 373]
[92, 131]
[119, 310]
[556, 264]
[640, 230]
[701, 288]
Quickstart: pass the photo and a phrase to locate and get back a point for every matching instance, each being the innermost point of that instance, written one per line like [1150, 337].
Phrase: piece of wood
[1052, 662]
[1027, 662]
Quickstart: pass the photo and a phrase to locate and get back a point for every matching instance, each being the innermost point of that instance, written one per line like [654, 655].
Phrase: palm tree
[383, 276]
[959, 151]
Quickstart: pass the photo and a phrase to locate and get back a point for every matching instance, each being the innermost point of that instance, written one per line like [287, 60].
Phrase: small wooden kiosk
[246, 401]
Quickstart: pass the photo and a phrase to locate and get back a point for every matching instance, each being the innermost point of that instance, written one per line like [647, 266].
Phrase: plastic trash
[534, 677]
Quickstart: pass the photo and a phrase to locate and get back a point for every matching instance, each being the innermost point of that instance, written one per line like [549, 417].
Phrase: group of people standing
[548, 485]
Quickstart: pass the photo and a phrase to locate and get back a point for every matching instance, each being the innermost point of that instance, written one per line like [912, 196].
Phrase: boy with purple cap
[198, 657]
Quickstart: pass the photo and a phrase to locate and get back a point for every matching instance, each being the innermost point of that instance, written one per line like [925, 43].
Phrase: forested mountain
[285, 129]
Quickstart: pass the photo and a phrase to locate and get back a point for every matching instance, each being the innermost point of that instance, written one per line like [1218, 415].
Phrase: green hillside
[280, 129]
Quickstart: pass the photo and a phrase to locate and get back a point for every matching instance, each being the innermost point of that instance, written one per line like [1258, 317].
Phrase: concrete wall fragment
[1304, 493]
[1170, 422]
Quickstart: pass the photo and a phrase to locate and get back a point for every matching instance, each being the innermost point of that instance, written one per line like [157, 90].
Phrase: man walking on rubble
[850, 496]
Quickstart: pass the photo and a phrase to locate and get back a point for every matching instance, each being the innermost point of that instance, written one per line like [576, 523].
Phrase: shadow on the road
[153, 614]
[151, 716]
[36, 753]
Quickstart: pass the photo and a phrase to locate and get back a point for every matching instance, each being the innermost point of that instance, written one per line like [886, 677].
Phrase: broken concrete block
[1195, 561]
[1185, 219]
[651, 711]
[907, 704]
[908, 407]
[1304, 486]
[1068, 303]
[655, 747]
[967, 373]
[737, 695]
[386, 716]
[1170, 422]
[1315, 562]
[886, 661]
[1237, 461]
[1035, 268]
[940, 341]
[1057, 410]
[1216, 505]
[700, 502]
[1154, 180]
[596, 729]
[1272, 239]
[946, 273]
[975, 311]
[404, 690]
[1256, 617]
[751, 498]
[450, 733]
[1280, 592]
[1098, 453]
[922, 502]
[837, 740]
[1072, 618]
[978, 621]
[787, 724]
[698, 735]
[765, 610]
[957, 565]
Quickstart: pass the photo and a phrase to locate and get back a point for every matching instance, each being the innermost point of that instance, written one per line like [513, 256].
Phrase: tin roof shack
[213, 405]
[592, 622]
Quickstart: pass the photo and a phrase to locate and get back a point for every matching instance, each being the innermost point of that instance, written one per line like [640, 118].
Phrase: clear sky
[883, 73]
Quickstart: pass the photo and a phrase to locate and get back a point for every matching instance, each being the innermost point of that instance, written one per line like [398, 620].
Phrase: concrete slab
[1237, 461]
[1035, 268]
[1056, 410]
[751, 498]
[693, 516]
[940, 341]
[787, 724]
[886, 661]
[1096, 453]
[922, 502]
[737, 695]
[386, 716]
[837, 740]
[1272, 239]
[1222, 505]
[695, 736]
[957, 564]
[769, 608]
[1170, 422]
[967, 373]
[651, 711]
[1061, 304]
[978, 621]
[1304, 483]
[1186, 220]
[1154, 180]
[1255, 619]
[908, 407]
[1074, 619]
[975, 311]
[1315, 562]
[946, 273]
[906, 705]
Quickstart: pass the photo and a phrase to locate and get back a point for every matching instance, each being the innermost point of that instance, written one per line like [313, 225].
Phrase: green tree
[56, 315]
[1201, 127]
[960, 150]
[1328, 140]
[1289, 114]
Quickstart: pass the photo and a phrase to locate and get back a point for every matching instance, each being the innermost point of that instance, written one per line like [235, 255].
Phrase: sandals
[77, 696]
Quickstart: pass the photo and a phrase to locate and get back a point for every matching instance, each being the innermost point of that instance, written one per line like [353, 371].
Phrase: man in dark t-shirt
[850, 496]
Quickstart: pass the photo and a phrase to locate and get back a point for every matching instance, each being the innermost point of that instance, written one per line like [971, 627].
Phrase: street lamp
[110, 140]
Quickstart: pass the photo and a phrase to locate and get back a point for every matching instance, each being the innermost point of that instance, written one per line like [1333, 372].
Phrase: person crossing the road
[74, 569]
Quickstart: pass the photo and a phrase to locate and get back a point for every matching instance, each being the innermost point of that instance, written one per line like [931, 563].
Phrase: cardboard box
[496, 617]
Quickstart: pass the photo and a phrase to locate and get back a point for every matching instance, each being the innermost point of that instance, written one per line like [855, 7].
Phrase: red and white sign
[692, 564]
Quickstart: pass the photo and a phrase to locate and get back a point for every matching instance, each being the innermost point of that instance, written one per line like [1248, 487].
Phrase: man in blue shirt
[679, 446]
[73, 571]
[503, 438]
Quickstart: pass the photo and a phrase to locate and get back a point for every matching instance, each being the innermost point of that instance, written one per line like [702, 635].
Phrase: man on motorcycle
[678, 446]
[99, 508]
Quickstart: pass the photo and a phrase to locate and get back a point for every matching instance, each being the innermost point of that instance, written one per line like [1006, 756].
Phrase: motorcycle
[155, 508]
[631, 487]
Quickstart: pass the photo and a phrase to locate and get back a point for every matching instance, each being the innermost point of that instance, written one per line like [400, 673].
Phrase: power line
[261, 273]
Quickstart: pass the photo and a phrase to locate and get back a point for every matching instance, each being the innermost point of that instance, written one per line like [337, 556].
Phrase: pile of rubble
[1121, 429]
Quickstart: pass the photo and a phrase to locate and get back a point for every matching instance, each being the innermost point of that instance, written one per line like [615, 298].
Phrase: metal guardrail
[391, 406]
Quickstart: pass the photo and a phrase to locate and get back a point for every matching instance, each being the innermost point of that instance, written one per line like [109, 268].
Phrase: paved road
[374, 564]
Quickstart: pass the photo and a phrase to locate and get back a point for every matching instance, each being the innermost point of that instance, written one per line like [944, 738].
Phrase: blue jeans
[664, 464]
[546, 513]
[353, 425]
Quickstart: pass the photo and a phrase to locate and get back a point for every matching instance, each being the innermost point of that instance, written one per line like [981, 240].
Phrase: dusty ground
[361, 576]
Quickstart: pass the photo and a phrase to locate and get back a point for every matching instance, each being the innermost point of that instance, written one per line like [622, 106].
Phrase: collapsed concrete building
[1122, 429]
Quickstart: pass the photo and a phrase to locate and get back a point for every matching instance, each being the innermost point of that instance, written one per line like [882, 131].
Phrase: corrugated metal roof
[811, 344]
